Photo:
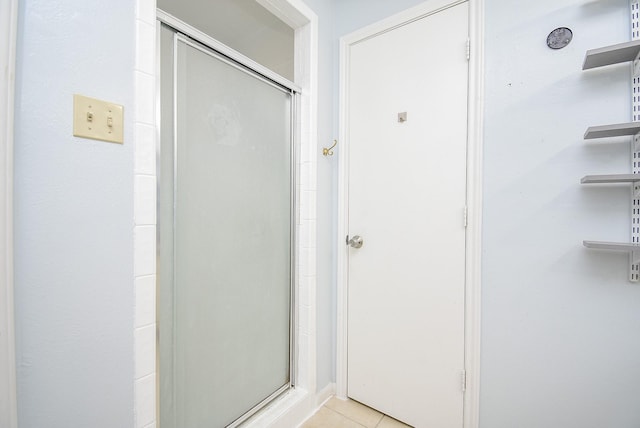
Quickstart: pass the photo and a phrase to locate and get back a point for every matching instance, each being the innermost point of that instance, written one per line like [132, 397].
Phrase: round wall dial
[559, 38]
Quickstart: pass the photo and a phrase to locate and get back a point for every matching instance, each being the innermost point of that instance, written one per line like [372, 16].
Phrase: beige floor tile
[327, 418]
[355, 411]
[388, 422]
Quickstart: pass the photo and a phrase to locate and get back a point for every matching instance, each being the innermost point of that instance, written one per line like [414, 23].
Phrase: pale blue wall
[73, 218]
[560, 343]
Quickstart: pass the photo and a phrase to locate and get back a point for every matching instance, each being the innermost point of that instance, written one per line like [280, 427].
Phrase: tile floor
[337, 413]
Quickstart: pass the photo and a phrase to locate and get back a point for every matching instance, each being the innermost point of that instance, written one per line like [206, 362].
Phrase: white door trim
[474, 196]
[473, 286]
[8, 24]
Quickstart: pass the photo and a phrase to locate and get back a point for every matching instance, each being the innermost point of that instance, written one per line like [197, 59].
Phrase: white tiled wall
[145, 213]
[145, 216]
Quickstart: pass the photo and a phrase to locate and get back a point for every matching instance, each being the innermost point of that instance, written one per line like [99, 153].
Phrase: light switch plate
[97, 119]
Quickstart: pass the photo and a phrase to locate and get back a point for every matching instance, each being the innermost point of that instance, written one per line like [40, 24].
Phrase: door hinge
[468, 49]
[465, 216]
[463, 380]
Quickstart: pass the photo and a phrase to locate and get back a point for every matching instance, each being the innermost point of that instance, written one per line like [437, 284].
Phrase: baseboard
[325, 394]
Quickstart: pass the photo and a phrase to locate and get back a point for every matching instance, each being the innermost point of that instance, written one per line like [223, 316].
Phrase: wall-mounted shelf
[615, 130]
[632, 249]
[610, 178]
[615, 54]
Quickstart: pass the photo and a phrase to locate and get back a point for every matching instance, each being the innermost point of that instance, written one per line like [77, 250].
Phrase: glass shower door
[225, 237]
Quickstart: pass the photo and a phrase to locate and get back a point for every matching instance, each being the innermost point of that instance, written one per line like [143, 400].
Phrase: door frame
[473, 235]
[8, 400]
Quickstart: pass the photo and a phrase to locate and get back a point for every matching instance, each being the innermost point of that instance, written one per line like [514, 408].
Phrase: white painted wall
[560, 323]
[74, 218]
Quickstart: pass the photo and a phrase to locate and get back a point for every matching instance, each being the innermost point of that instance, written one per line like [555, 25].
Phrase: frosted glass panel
[230, 293]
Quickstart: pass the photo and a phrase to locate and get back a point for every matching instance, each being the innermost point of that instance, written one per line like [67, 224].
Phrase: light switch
[97, 119]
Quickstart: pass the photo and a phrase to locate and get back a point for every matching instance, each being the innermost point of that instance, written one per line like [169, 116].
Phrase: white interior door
[407, 190]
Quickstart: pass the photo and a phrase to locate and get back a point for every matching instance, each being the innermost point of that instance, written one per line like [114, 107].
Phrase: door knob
[356, 241]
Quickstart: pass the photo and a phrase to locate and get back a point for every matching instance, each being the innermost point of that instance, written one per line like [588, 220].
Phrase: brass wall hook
[329, 151]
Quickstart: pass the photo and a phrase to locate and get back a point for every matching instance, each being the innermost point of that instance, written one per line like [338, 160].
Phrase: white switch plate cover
[97, 119]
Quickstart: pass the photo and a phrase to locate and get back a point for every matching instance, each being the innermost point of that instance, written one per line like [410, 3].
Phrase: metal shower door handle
[356, 241]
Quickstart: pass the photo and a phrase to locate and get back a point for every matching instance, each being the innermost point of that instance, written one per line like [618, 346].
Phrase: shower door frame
[194, 38]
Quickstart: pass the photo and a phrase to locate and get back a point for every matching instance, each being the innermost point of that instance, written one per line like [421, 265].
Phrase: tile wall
[145, 215]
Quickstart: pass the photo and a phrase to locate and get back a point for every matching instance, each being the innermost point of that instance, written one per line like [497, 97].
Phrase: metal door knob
[356, 241]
